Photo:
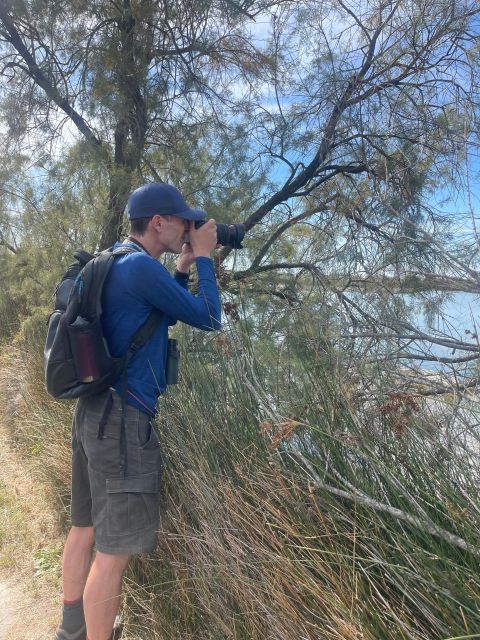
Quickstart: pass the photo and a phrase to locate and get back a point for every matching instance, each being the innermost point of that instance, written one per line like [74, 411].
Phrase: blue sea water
[458, 319]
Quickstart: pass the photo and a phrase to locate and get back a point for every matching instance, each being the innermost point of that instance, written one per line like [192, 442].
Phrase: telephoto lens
[228, 235]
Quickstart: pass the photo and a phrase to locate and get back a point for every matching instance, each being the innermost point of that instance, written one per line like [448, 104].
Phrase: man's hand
[204, 239]
[185, 259]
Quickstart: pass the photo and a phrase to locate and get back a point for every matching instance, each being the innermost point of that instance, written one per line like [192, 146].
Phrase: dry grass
[254, 545]
[30, 531]
[38, 427]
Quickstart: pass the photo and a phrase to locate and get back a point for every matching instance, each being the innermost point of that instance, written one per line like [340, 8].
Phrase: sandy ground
[29, 599]
[7, 605]
[25, 614]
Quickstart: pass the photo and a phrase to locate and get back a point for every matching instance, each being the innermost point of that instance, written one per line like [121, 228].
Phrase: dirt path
[30, 545]
[25, 614]
[7, 604]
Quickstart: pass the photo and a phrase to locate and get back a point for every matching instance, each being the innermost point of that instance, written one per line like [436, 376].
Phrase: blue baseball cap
[162, 199]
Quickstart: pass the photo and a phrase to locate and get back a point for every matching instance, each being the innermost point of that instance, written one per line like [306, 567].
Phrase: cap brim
[191, 214]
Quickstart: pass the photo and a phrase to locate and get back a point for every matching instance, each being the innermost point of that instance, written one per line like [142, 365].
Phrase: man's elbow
[213, 322]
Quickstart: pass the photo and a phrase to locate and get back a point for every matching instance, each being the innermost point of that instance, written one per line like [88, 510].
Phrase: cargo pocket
[149, 448]
[132, 503]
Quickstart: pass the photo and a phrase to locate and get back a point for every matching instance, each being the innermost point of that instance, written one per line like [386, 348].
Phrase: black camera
[228, 235]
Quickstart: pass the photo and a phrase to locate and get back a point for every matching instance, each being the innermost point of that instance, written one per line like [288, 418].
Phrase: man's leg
[77, 558]
[126, 521]
[101, 598]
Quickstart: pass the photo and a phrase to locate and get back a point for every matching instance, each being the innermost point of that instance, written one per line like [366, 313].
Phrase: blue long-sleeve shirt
[136, 284]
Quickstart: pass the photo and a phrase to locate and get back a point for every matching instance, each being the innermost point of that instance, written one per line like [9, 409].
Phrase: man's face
[173, 233]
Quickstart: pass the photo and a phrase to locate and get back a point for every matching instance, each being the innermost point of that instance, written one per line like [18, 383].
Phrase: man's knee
[82, 536]
[111, 563]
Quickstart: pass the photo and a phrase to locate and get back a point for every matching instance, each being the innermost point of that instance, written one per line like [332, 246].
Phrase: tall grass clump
[294, 505]
[293, 511]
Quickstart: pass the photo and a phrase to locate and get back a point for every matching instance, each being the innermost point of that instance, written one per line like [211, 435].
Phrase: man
[115, 505]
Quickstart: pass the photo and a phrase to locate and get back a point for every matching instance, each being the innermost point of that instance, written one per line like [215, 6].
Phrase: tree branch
[241, 275]
[39, 77]
[370, 503]
[282, 228]
[7, 245]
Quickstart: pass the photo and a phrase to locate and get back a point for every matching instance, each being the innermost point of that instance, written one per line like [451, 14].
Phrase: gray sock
[73, 616]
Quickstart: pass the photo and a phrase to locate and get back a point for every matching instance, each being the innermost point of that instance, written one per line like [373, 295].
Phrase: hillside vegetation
[289, 511]
[321, 451]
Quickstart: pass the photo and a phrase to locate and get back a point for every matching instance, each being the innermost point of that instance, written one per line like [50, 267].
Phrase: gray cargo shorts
[124, 511]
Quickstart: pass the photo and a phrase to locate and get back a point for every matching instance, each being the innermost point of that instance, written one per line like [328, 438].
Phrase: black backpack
[77, 360]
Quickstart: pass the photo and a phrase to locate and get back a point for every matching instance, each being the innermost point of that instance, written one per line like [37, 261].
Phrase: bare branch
[7, 245]
[370, 503]
[42, 81]
[282, 228]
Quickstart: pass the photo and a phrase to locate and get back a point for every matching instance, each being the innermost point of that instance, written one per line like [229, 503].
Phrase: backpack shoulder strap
[147, 329]
[89, 292]
[144, 333]
[93, 278]
[89, 285]
[120, 251]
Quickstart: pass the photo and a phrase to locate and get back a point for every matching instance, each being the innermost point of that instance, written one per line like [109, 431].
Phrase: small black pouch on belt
[173, 356]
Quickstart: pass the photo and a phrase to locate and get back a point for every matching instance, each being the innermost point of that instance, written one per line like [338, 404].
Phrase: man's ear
[157, 221]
